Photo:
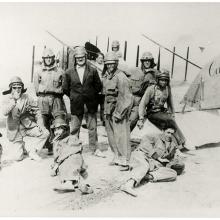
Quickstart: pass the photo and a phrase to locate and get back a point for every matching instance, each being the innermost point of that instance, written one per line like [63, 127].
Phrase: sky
[171, 24]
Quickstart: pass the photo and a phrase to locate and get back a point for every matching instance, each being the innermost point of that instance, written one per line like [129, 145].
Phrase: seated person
[157, 106]
[156, 159]
[68, 161]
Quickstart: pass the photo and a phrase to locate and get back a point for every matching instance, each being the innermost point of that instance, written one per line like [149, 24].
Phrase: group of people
[125, 100]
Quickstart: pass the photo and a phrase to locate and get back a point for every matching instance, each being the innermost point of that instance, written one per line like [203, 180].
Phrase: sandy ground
[26, 188]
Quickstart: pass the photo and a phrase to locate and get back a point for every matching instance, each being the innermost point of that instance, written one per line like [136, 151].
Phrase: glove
[117, 120]
[140, 123]
[16, 95]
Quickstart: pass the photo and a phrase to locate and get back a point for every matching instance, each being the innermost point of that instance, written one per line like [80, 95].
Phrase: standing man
[116, 48]
[152, 106]
[25, 128]
[140, 80]
[48, 87]
[101, 95]
[82, 85]
[118, 103]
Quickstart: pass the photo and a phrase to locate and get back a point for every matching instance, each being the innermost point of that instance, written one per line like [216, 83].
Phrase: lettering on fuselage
[214, 71]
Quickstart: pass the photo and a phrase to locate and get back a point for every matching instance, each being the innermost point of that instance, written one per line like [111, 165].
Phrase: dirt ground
[26, 188]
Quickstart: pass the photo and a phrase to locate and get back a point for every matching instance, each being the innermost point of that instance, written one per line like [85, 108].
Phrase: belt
[43, 94]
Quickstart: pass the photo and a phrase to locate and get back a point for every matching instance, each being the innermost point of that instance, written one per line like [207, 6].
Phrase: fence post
[173, 62]
[187, 57]
[63, 60]
[158, 60]
[137, 58]
[32, 68]
[125, 51]
[96, 41]
[108, 45]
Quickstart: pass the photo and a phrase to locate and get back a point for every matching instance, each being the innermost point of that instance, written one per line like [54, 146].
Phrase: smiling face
[81, 61]
[48, 61]
[162, 82]
[111, 67]
[115, 49]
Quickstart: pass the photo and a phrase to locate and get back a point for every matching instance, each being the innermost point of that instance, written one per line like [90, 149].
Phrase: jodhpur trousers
[119, 138]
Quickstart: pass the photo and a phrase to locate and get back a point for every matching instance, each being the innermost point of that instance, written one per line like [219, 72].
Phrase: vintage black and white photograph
[110, 109]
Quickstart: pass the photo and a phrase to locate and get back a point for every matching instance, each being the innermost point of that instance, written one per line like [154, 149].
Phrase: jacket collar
[49, 68]
[110, 76]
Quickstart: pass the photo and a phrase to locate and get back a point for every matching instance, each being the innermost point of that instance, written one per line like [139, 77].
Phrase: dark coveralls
[48, 87]
[139, 81]
[145, 160]
[153, 103]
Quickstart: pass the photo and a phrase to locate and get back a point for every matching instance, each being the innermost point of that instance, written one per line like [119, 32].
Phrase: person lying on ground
[156, 159]
[68, 165]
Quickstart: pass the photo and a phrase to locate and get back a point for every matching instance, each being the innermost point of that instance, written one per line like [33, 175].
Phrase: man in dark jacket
[82, 85]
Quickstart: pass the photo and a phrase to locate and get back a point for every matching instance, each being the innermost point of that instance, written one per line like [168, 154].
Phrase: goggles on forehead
[16, 87]
[81, 57]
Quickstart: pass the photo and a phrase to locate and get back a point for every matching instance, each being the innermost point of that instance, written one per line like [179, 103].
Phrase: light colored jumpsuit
[24, 125]
[118, 103]
[145, 160]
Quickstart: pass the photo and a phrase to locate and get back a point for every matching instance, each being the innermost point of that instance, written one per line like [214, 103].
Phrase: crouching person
[156, 159]
[25, 129]
[68, 161]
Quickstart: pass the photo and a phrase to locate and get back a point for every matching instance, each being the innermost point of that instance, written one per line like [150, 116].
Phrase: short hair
[168, 125]
[100, 53]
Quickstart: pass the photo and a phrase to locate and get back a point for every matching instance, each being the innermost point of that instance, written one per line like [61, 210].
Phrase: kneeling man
[25, 129]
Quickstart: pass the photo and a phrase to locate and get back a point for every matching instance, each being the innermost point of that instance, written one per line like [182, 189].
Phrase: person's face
[81, 61]
[115, 49]
[111, 67]
[48, 61]
[147, 64]
[58, 131]
[16, 91]
[162, 83]
[100, 59]
[168, 134]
